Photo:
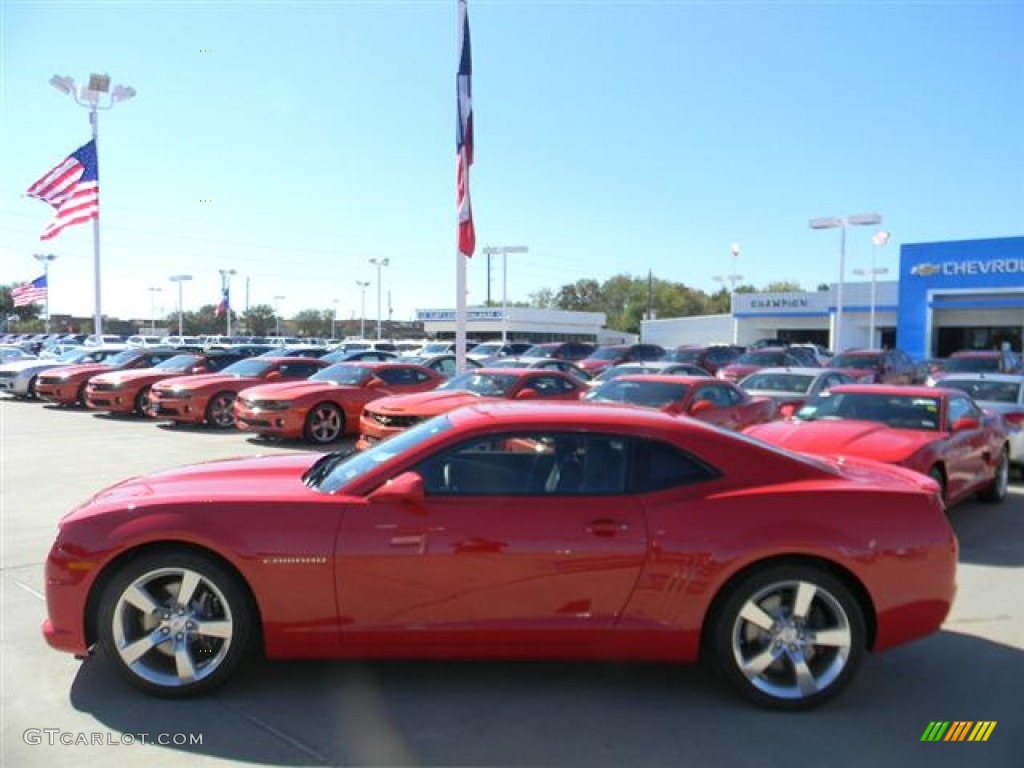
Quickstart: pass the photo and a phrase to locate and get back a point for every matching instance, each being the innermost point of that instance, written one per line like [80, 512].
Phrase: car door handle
[607, 527]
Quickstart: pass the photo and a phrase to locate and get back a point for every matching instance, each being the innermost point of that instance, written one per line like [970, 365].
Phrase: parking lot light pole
[504, 251]
[277, 314]
[733, 280]
[363, 285]
[153, 291]
[879, 239]
[225, 289]
[841, 223]
[179, 279]
[380, 264]
[46, 258]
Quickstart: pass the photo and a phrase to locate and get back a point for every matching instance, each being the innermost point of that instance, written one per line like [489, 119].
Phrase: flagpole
[466, 235]
[97, 317]
[46, 258]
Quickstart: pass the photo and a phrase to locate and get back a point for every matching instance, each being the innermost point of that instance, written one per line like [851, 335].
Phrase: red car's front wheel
[324, 424]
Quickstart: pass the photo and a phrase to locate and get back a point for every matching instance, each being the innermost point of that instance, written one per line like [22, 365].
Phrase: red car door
[510, 547]
[966, 465]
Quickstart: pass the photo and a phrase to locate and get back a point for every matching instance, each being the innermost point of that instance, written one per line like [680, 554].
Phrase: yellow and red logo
[959, 730]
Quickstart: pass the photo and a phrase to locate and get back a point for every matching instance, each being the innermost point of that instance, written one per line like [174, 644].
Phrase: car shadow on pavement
[989, 534]
[574, 714]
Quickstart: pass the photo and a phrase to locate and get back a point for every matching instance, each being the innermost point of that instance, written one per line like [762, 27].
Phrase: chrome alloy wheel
[220, 412]
[172, 627]
[791, 640]
[324, 423]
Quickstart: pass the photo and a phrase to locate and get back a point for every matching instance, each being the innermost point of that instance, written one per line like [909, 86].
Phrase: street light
[363, 285]
[179, 279]
[225, 289]
[879, 239]
[334, 320]
[89, 97]
[732, 279]
[504, 250]
[380, 264]
[277, 313]
[46, 258]
[153, 291]
[841, 223]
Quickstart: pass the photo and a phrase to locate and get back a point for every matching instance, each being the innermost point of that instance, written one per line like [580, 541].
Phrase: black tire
[995, 492]
[324, 424]
[139, 607]
[142, 401]
[936, 474]
[219, 411]
[765, 648]
[31, 390]
[81, 395]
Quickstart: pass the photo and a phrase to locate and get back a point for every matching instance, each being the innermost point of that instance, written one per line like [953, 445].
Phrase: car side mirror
[406, 488]
[701, 406]
[198, 369]
[526, 394]
[966, 422]
[273, 375]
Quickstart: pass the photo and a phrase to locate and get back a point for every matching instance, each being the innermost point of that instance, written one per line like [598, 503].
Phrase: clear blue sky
[610, 137]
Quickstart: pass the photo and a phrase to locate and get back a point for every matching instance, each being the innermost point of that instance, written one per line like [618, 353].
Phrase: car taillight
[1015, 419]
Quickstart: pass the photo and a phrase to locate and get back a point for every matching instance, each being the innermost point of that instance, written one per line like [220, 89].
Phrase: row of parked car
[965, 433]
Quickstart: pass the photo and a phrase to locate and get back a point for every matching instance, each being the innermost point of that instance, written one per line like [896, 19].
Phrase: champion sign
[969, 267]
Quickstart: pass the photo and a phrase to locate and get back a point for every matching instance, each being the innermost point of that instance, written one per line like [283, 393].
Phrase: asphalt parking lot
[59, 711]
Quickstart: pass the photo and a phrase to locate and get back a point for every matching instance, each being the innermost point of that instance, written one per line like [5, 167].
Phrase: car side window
[658, 465]
[959, 408]
[298, 370]
[548, 386]
[395, 376]
[710, 392]
[524, 464]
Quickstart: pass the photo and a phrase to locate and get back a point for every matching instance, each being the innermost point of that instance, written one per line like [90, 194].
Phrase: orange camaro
[326, 405]
[210, 397]
[66, 386]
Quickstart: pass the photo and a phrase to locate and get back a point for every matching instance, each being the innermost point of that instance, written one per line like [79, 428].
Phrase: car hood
[264, 478]
[137, 374]
[85, 369]
[845, 436]
[201, 379]
[286, 390]
[427, 403]
[24, 365]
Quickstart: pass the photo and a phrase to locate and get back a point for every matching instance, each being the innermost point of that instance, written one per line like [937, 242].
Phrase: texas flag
[225, 304]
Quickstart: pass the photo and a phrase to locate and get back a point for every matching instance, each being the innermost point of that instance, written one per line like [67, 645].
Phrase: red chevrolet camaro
[514, 531]
[702, 397]
[66, 386]
[326, 406]
[938, 432]
[210, 397]
[387, 417]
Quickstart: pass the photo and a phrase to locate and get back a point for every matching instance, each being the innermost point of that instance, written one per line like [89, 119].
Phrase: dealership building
[953, 295]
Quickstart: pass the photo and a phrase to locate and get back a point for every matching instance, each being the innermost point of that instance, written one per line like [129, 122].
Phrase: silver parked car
[790, 388]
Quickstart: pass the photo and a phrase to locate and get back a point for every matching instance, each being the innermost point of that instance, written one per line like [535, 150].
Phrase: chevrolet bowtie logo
[925, 270]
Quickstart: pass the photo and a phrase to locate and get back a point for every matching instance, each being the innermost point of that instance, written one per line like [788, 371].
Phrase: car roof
[805, 371]
[893, 389]
[978, 376]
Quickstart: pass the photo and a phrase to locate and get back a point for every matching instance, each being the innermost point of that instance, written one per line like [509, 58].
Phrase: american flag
[72, 187]
[29, 293]
[225, 304]
[464, 137]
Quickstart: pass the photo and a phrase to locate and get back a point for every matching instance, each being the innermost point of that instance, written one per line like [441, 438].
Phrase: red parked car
[66, 386]
[877, 366]
[702, 397]
[603, 358]
[470, 536]
[327, 405]
[755, 359]
[385, 418]
[129, 391]
[941, 433]
[210, 398]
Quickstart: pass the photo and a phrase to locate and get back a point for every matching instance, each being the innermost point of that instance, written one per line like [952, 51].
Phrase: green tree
[313, 322]
[783, 286]
[582, 296]
[543, 299]
[259, 319]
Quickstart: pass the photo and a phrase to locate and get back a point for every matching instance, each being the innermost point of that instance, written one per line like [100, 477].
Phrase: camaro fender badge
[295, 560]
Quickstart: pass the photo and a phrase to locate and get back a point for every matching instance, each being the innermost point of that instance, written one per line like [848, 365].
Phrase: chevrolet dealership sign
[969, 267]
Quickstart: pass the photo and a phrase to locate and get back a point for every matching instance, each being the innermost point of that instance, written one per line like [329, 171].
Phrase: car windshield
[854, 361]
[76, 355]
[249, 367]
[178, 363]
[896, 411]
[343, 373]
[121, 358]
[778, 382]
[971, 364]
[684, 355]
[487, 349]
[486, 384]
[540, 350]
[653, 394]
[621, 370]
[437, 348]
[607, 353]
[339, 470]
[986, 390]
[762, 358]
